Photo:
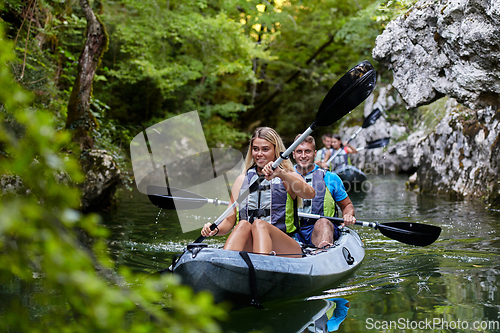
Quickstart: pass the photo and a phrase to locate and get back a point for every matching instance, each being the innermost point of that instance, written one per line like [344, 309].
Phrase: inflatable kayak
[246, 278]
[350, 175]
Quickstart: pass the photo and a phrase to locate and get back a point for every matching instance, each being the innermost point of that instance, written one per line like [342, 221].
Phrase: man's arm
[347, 211]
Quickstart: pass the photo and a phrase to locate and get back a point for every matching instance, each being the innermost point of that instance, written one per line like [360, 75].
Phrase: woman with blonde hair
[266, 217]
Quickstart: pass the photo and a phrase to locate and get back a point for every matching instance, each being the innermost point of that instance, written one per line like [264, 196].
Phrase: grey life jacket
[271, 203]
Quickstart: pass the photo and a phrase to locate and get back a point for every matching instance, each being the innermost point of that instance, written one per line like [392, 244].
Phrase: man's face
[327, 142]
[304, 155]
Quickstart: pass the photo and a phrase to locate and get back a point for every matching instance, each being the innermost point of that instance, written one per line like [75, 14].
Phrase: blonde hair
[270, 135]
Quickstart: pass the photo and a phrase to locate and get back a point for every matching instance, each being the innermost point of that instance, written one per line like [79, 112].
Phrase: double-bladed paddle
[347, 93]
[411, 233]
[406, 232]
[369, 120]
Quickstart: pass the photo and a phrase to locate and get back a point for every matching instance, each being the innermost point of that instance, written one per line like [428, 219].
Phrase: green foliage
[433, 113]
[200, 58]
[271, 62]
[46, 57]
[52, 280]
[318, 42]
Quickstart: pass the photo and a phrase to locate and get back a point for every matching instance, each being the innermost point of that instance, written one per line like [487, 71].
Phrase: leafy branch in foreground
[52, 281]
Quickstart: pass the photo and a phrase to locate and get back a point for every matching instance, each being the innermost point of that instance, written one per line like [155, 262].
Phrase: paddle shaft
[375, 114]
[217, 202]
[339, 220]
[203, 201]
[422, 235]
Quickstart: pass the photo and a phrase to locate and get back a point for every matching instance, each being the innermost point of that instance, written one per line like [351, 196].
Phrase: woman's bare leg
[240, 238]
[267, 238]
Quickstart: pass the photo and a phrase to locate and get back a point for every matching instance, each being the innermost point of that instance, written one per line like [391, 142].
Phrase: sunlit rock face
[462, 155]
[451, 48]
[445, 48]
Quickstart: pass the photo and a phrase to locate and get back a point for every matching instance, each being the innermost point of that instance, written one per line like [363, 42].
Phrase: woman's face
[336, 143]
[262, 152]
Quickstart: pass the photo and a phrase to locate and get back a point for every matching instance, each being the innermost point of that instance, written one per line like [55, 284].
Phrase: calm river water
[449, 286]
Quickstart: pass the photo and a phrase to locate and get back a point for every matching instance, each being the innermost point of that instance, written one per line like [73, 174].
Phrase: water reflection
[332, 318]
[315, 315]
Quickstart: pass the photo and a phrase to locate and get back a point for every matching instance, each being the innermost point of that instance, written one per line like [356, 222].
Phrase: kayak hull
[227, 276]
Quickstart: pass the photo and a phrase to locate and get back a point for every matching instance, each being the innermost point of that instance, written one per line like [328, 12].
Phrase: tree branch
[261, 106]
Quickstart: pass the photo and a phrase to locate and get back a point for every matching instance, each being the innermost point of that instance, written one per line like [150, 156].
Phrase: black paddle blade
[380, 143]
[410, 233]
[347, 93]
[184, 200]
[372, 118]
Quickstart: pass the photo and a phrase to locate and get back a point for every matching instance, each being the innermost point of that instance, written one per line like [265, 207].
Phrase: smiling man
[330, 192]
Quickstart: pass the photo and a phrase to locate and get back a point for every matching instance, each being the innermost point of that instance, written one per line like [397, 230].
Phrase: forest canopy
[241, 64]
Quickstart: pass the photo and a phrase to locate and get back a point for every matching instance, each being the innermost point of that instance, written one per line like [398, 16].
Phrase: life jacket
[323, 203]
[271, 203]
[341, 159]
[323, 153]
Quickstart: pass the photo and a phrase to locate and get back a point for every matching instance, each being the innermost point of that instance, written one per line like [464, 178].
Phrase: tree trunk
[80, 120]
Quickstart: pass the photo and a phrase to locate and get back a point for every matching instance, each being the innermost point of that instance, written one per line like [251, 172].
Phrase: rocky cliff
[449, 48]
[443, 48]
[102, 177]
[461, 156]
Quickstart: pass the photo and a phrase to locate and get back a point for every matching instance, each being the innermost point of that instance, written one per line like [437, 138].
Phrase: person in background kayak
[266, 216]
[320, 154]
[329, 191]
[342, 157]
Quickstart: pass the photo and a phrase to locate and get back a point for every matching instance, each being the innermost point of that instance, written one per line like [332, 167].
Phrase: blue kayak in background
[351, 176]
